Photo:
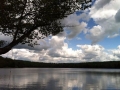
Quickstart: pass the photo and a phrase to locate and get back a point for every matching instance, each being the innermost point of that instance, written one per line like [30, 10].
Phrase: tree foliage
[27, 21]
[9, 63]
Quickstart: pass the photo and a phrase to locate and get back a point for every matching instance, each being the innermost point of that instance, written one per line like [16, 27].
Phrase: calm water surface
[59, 79]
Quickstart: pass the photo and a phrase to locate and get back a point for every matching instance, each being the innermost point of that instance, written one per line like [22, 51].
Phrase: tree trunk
[5, 50]
[16, 42]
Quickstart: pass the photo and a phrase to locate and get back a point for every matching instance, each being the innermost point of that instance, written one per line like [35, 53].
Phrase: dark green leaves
[17, 17]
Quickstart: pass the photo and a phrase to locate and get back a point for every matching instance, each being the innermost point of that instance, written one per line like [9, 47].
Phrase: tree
[27, 21]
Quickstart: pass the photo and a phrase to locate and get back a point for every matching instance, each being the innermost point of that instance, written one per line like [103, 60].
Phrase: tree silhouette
[27, 21]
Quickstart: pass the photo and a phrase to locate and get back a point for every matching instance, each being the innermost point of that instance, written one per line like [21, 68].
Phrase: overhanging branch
[19, 23]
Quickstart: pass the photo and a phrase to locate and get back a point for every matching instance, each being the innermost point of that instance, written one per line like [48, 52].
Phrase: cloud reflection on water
[58, 79]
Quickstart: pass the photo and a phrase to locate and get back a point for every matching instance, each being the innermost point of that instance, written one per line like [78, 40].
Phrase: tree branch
[15, 42]
[19, 23]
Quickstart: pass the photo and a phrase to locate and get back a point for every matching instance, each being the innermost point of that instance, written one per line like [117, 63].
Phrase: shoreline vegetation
[10, 63]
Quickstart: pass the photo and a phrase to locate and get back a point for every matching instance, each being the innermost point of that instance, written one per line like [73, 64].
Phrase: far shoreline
[9, 63]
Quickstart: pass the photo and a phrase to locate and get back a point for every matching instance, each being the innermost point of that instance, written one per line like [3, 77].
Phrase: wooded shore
[9, 63]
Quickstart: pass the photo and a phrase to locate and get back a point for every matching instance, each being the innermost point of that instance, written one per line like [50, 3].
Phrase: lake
[59, 79]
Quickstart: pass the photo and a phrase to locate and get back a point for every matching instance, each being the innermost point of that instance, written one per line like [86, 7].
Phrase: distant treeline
[9, 63]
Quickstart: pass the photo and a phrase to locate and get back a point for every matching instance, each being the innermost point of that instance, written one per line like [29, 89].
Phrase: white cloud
[116, 52]
[6, 38]
[105, 17]
[78, 38]
[105, 12]
[22, 54]
[73, 19]
[117, 16]
[112, 36]
[59, 52]
[74, 26]
[92, 52]
[101, 3]
[43, 45]
[95, 34]
[74, 31]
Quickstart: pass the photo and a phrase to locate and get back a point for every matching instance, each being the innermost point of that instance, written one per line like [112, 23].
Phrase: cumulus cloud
[117, 16]
[105, 17]
[59, 52]
[22, 54]
[57, 49]
[62, 34]
[101, 3]
[7, 39]
[116, 52]
[95, 34]
[92, 52]
[43, 45]
[73, 19]
[74, 31]
[75, 27]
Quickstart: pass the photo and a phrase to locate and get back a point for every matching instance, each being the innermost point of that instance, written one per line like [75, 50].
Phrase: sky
[95, 37]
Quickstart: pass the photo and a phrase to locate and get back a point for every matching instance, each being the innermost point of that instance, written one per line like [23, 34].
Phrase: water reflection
[59, 79]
